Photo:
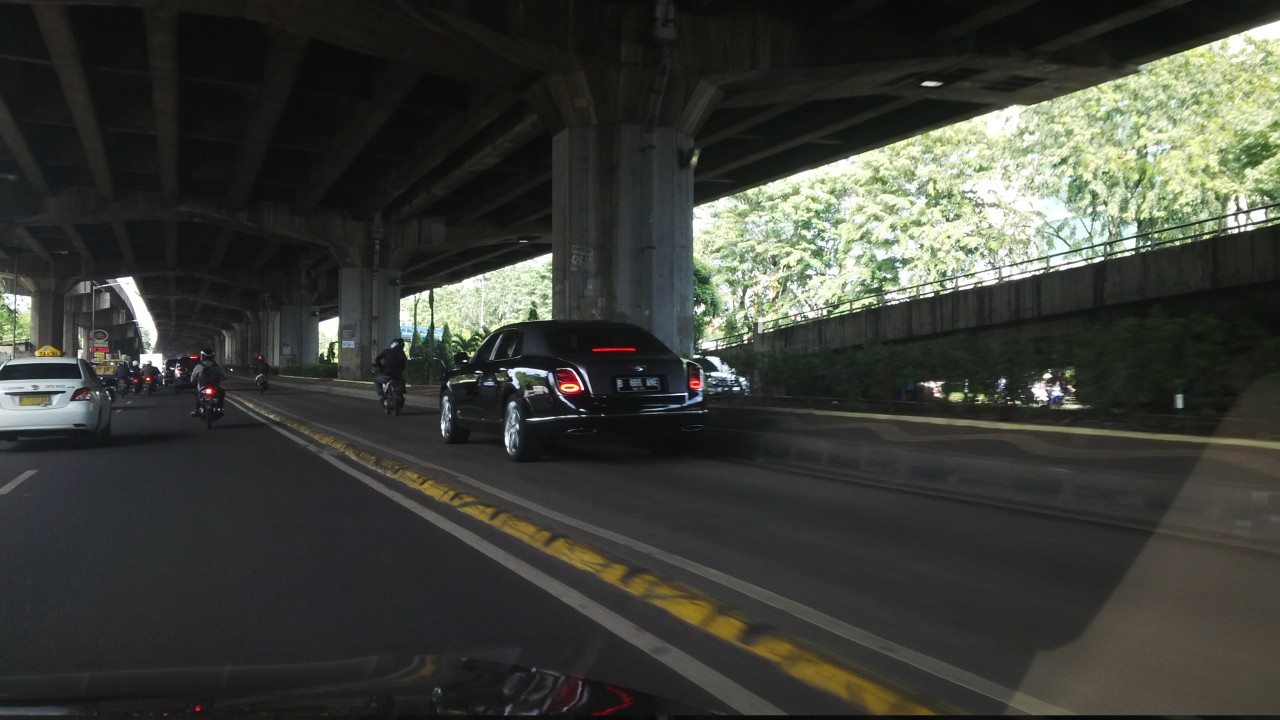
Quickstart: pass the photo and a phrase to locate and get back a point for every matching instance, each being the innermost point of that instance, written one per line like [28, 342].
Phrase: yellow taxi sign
[48, 351]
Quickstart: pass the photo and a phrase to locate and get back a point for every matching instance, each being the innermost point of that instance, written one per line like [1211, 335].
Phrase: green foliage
[707, 305]
[490, 300]
[1134, 364]
[321, 370]
[7, 318]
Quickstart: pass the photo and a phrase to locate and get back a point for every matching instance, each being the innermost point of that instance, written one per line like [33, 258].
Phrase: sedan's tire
[519, 442]
[449, 429]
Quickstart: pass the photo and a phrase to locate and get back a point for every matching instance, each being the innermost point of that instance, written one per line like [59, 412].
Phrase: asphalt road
[179, 546]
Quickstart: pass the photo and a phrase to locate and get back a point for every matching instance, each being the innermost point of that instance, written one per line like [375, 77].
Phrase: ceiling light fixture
[932, 83]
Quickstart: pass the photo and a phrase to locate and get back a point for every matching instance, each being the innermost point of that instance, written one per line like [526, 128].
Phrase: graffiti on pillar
[582, 258]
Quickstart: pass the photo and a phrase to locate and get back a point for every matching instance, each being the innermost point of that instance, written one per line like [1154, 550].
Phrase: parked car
[535, 380]
[720, 378]
[41, 396]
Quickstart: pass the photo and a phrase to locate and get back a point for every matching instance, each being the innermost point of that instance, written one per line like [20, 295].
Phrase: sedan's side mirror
[460, 358]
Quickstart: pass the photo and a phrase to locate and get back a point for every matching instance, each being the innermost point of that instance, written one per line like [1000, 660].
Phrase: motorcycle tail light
[210, 391]
[568, 382]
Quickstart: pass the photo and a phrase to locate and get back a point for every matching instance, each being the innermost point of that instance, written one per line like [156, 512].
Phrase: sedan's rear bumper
[651, 423]
[80, 417]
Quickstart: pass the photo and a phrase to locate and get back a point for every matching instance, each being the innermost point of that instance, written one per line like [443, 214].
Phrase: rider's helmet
[396, 344]
[206, 354]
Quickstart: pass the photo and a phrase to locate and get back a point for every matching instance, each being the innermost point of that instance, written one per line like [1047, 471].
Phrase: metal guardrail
[1063, 260]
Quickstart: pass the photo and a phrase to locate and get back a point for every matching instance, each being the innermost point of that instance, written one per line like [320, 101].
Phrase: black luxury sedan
[535, 380]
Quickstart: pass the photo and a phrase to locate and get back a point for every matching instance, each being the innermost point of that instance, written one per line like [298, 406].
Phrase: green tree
[707, 305]
[1154, 149]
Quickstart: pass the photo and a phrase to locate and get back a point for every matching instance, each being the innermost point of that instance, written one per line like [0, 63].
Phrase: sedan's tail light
[82, 394]
[695, 378]
[568, 382]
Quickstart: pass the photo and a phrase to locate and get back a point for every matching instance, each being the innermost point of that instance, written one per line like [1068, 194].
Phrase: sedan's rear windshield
[603, 340]
[40, 371]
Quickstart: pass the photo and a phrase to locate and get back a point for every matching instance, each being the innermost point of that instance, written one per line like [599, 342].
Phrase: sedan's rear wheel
[521, 444]
[449, 429]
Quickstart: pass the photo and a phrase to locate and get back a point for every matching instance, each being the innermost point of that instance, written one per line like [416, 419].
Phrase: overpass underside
[260, 166]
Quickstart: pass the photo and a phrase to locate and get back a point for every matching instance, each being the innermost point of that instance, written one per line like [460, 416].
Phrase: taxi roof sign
[48, 351]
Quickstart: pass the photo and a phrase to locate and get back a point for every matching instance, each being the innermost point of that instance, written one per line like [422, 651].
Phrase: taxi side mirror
[460, 358]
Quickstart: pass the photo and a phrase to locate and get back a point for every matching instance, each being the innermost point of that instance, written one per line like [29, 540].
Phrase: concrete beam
[244, 307]
[265, 254]
[11, 134]
[81, 247]
[497, 146]
[33, 244]
[55, 27]
[391, 88]
[500, 196]
[990, 14]
[440, 146]
[1112, 22]
[170, 243]
[162, 56]
[267, 220]
[771, 147]
[125, 243]
[502, 249]
[284, 58]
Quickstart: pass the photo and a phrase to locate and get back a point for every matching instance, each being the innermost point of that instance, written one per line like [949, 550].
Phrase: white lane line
[731, 693]
[16, 482]
[938, 668]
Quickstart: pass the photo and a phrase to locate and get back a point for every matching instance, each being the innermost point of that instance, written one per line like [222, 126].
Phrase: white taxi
[52, 396]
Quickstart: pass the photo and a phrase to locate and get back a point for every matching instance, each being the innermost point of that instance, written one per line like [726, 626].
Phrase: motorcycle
[147, 385]
[209, 410]
[261, 382]
[393, 396]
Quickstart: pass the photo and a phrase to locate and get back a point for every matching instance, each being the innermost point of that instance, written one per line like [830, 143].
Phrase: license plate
[34, 400]
[638, 384]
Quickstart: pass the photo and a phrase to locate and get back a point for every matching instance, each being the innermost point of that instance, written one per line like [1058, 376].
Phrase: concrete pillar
[253, 339]
[368, 318]
[236, 338]
[47, 318]
[299, 336]
[220, 348]
[622, 228]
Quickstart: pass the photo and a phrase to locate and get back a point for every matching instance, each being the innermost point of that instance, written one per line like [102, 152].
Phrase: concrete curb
[811, 666]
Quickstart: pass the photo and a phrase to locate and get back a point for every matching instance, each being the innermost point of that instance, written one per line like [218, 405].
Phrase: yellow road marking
[812, 667]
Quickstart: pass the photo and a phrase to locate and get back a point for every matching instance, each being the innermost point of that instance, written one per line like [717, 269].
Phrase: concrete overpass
[258, 165]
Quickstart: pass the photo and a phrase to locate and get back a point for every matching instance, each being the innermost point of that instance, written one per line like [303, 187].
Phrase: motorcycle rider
[261, 367]
[122, 376]
[389, 365]
[150, 373]
[207, 373]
